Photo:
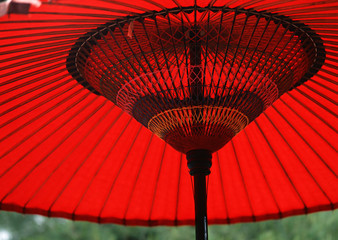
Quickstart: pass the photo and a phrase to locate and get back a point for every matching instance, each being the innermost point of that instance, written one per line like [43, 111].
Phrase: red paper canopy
[67, 152]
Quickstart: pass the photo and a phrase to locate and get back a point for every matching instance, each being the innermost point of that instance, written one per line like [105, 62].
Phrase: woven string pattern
[187, 73]
[209, 117]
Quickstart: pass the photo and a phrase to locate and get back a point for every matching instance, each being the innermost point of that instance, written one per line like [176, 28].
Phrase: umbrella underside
[254, 82]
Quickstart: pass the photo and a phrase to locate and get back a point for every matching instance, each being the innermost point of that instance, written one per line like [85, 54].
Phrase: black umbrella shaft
[199, 163]
[200, 192]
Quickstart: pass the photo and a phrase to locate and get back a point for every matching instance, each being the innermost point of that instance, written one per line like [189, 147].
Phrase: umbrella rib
[121, 49]
[31, 66]
[325, 36]
[326, 26]
[313, 112]
[111, 49]
[297, 156]
[93, 15]
[34, 81]
[263, 173]
[223, 188]
[178, 190]
[226, 50]
[328, 71]
[65, 20]
[306, 142]
[282, 167]
[117, 175]
[271, 3]
[310, 5]
[91, 130]
[211, 3]
[282, 2]
[327, 79]
[33, 89]
[273, 65]
[320, 31]
[127, 5]
[299, 115]
[17, 106]
[180, 7]
[71, 26]
[316, 16]
[234, 2]
[332, 48]
[124, 219]
[78, 7]
[331, 42]
[46, 156]
[185, 54]
[32, 55]
[320, 21]
[59, 59]
[156, 184]
[62, 33]
[156, 4]
[35, 60]
[206, 54]
[331, 54]
[316, 102]
[331, 66]
[166, 60]
[177, 3]
[243, 181]
[249, 3]
[307, 10]
[113, 74]
[33, 73]
[131, 74]
[102, 163]
[46, 43]
[106, 66]
[236, 56]
[147, 61]
[330, 59]
[321, 94]
[324, 86]
[219, 30]
[176, 56]
[39, 116]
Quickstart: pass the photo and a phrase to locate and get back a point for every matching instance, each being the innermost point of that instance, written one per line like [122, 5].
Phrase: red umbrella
[201, 76]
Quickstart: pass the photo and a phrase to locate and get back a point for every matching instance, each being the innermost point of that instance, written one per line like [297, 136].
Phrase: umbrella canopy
[68, 152]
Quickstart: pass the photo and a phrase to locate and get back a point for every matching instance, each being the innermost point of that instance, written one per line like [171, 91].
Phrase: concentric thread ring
[207, 116]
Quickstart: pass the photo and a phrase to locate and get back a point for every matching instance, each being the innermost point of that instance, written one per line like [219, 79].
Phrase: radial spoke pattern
[220, 68]
[65, 151]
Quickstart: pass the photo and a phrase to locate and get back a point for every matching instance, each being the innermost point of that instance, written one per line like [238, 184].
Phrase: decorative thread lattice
[192, 73]
[197, 121]
[177, 87]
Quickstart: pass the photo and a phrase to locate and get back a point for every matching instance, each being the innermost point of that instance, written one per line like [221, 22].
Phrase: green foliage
[318, 226]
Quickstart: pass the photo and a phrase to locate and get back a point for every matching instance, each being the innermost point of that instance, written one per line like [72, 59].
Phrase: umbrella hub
[196, 76]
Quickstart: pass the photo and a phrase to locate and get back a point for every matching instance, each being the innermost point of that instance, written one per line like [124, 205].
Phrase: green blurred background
[319, 226]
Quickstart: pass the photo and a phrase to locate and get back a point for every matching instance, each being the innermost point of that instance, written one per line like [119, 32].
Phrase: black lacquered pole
[199, 163]
[201, 220]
